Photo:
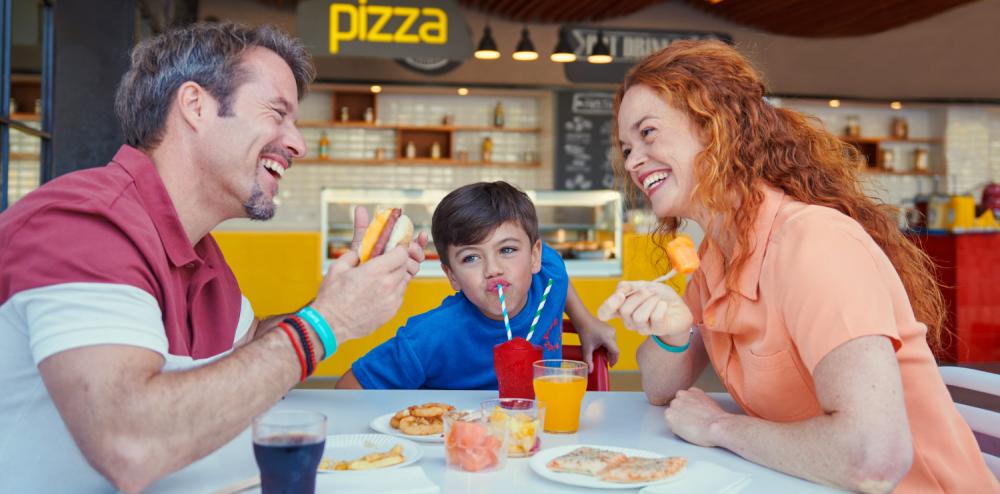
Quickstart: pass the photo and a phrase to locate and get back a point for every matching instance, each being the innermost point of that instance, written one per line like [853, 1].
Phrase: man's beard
[258, 206]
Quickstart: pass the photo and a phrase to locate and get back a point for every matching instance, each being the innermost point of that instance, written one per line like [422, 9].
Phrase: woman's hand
[690, 416]
[649, 309]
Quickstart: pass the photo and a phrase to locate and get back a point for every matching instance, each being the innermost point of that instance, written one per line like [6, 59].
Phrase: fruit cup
[524, 423]
[473, 442]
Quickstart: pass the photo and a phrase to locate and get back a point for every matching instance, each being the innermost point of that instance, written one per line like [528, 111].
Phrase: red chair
[598, 380]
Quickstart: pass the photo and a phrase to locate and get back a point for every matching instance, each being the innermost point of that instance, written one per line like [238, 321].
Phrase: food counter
[584, 226]
[280, 272]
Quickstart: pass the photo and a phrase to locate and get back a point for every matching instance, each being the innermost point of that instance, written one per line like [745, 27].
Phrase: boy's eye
[281, 114]
[508, 250]
[469, 258]
[646, 132]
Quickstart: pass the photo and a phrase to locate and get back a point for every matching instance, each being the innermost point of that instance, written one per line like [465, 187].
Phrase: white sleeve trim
[73, 315]
[246, 319]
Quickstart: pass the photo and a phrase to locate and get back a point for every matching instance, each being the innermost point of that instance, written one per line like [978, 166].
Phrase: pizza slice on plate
[637, 469]
[586, 460]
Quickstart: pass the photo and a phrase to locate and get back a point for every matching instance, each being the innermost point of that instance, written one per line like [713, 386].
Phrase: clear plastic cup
[561, 384]
[473, 443]
[524, 423]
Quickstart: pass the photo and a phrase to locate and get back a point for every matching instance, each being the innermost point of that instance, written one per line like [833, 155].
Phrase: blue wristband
[322, 329]
[671, 348]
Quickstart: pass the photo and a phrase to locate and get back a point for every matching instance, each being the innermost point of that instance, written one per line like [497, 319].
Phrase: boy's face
[506, 257]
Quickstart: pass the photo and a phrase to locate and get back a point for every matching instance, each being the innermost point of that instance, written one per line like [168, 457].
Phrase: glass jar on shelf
[853, 128]
[920, 162]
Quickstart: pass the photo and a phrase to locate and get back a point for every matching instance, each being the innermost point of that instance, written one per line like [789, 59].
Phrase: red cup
[512, 362]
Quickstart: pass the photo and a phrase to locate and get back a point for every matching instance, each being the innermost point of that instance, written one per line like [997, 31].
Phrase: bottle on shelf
[436, 150]
[411, 150]
[344, 114]
[324, 146]
[920, 163]
[900, 129]
[38, 106]
[853, 128]
[487, 150]
[369, 115]
[13, 106]
[498, 118]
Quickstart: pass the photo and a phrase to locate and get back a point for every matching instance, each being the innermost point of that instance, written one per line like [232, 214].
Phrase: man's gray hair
[209, 54]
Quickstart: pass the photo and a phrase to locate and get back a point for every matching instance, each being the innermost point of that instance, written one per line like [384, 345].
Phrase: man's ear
[194, 104]
[451, 277]
[536, 257]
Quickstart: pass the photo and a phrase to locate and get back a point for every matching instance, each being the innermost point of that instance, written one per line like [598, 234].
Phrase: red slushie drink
[512, 361]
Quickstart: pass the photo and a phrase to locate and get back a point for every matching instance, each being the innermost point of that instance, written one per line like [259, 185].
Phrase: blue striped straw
[503, 306]
[538, 312]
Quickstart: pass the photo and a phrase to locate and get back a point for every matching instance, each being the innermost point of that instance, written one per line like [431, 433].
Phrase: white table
[623, 419]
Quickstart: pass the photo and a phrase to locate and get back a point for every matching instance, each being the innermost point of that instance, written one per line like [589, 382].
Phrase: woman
[813, 308]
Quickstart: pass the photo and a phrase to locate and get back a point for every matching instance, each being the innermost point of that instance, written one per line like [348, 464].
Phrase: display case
[584, 226]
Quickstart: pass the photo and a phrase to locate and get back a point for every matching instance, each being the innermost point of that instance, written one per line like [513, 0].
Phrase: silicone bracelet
[322, 329]
[674, 349]
[298, 350]
[301, 325]
[296, 326]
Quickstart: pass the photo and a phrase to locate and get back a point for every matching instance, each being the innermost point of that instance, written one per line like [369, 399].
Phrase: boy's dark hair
[468, 214]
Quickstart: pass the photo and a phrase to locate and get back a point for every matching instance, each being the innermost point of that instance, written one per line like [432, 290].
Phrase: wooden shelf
[24, 157]
[25, 117]
[435, 128]
[414, 162]
[902, 173]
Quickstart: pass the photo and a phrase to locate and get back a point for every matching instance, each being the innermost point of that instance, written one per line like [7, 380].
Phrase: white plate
[541, 459]
[344, 447]
[381, 424]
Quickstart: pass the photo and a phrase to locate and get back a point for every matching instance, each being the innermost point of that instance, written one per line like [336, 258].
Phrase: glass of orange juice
[560, 384]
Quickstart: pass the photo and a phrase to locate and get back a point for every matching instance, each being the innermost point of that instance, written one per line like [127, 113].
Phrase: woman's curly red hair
[748, 140]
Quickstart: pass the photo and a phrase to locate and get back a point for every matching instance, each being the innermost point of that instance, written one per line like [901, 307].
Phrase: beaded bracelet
[674, 349]
[306, 343]
[298, 350]
[321, 327]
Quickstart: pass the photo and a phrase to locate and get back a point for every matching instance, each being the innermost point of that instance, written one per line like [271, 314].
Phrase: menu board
[583, 140]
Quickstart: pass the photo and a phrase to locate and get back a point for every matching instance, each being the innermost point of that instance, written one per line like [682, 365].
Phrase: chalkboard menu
[583, 140]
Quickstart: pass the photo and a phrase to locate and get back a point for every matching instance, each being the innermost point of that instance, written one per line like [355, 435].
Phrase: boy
[486, 234]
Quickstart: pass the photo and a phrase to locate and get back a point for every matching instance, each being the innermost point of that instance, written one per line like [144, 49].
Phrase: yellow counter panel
[279, 272]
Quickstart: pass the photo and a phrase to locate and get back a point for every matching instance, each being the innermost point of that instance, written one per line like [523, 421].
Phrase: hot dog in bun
[389, 228]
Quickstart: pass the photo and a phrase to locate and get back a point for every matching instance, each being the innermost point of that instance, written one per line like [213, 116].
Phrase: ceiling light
[563, 52]
[376, 89]
[525, 51]
[835, 103]
[600, 53]
[895, 105]
[462, 91]
[487, 46]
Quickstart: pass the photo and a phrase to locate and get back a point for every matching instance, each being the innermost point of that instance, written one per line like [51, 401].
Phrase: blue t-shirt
[451, 347]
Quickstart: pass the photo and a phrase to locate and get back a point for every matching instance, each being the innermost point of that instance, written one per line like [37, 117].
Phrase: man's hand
[649, 309]
[691, 415]
[358, 298]
[595, 334]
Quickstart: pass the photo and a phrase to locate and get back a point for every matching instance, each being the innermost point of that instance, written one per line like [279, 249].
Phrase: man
[126, 349]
